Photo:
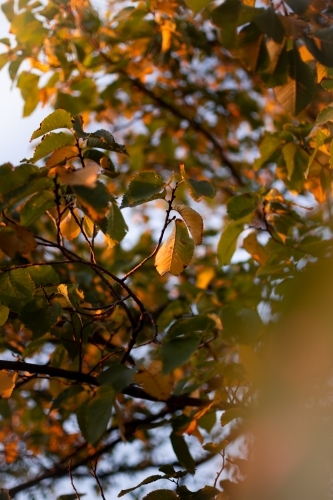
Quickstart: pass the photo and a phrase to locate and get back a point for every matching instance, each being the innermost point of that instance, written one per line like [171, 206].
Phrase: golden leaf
[193, 220]
[16, 239]
[69, 227]
[7, 383]
[81, 177]
[251, 245]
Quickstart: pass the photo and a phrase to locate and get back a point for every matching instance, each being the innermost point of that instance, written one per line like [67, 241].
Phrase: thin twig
[93, 472]
[72, 481]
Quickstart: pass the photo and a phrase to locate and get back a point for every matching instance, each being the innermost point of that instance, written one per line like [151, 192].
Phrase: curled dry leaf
[193, 221]
[78, 177]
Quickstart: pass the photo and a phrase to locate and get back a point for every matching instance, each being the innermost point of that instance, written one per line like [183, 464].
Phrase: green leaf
[226, 17]
[193, 324]
[326, 115]
[176, 252]
[289, 151]
[13, 178]
[16, 288]
[297, 93]
[58, 119]
[268, 146]
[104, 140]
[39, 316]
[182, 453]
[252, 48]
[44, 275]
[197, 5]
[240, 327]
[148, 480]
[8, 9]
[28, 188]
[240, 206]
[215, 447]
[144, 186]
[4, 312]
[77, 123]
[36, 206]
[50, 143]
[270, 24]
[298, 6]
[197, 189]
[71, 496]
[228, 241]
[35, 346]
[173, 310]
[230, 415]
[327, 84]
[94, 201]
[119, 376]
[66, 395]
[117, 227]
[320, 44]
[28, 84]
[97, 414]
[177, 351]
[161, 495]
[99, 158]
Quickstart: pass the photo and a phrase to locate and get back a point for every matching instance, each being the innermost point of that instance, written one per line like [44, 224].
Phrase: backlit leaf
[62, 155]
[58, 119]
[117, 227]
[39, 316]
[176, 252]
[79, 177]
[35, 206]
[197, 189]
[252, 246]
[152, 381]
[94, 201]
[51, 142]
[16, 239]
[98, 413]
[7, 383]
[178, 350]
[182, 452]
[148, 480]
[193, 221]
[69, 227]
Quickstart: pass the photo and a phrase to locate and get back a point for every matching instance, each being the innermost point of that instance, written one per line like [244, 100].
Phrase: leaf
[226, 17]
[193, 221]
[228, 242]
[71, 496]
[101, 159]
[118, 376]
[153, 382]
[143, 187]
[62, 155]
[176, 252]
[36, 206]
[104, 140]
[215, 447]
[7, 383]
[58, 119]
[39, 316]
[79, 177]
[320, 44]
[289, 151]
[4, 494]
[28, 84]
[326, 115]
[97, 414]
[16, 239]
[182, 453]
[197, 189]
[269, 22]
[4, 312]
[16, 288]
[297, 93]
[197, 5]
[161, 495]
[206, 493]
[148, 480]
[43, 275]
[69, 227]
[177, 351]
[230, 415]
[240, 206]
[116, 227]
[50, 143]
[268, 146]
[251, 245]
[94, 201]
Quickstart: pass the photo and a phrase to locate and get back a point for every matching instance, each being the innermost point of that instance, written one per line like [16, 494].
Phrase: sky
[15, 131]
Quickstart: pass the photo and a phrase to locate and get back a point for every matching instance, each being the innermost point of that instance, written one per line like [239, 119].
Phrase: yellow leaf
[152, 381]
[69, 227]
[62, 154]
[193, 221]
[166, 6]
[204, 277]
[176, 252]
[81, 177]
[167, 28]
[252, 246]
[7, 383]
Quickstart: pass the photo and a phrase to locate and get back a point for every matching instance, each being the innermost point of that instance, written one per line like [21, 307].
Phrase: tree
[158, 338]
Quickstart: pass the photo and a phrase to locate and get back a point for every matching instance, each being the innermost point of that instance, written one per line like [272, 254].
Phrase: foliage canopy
[139, 280]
